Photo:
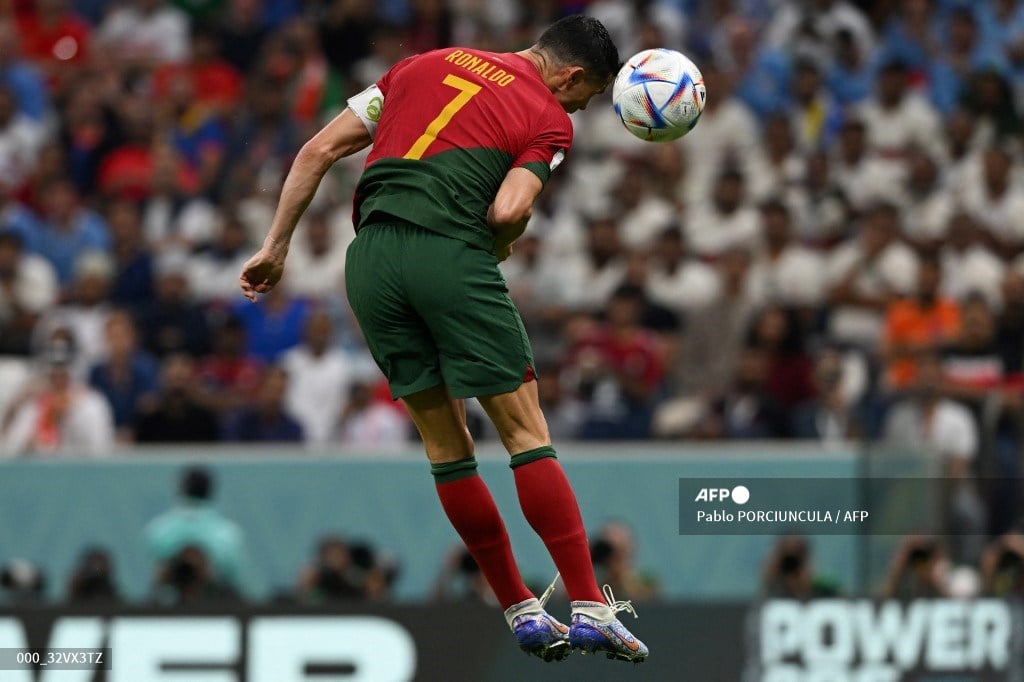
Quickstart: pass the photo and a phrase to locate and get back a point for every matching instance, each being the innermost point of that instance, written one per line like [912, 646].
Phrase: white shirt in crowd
[317, 389]
[378, 426]
[87, 428]
[710, 233]
[911, 123]
[974, 270]
[35, 287]
[795, 277]
[160, 35]
[894, 271]
[1002, 216]
[950, 432]
[692, 286]
[729, 131]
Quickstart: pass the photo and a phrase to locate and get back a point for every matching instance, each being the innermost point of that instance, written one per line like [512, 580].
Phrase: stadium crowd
[836, 251]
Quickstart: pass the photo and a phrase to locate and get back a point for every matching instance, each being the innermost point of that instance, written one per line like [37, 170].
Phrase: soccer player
[463, 142]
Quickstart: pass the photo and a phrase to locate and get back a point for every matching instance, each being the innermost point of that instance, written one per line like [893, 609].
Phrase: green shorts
[435, 310]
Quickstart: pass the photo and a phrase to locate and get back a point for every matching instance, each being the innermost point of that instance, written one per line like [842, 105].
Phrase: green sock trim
[532, 456]
[446, 472]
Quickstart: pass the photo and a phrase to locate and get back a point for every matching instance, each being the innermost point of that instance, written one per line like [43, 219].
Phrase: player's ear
[573, 75]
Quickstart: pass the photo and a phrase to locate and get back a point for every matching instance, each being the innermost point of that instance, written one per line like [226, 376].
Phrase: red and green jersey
[454, 122]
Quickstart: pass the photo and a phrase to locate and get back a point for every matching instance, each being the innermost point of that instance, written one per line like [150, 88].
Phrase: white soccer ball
[659, 95]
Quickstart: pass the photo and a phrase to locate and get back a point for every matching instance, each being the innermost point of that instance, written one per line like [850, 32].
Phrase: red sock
[471, 509]
[550, 506]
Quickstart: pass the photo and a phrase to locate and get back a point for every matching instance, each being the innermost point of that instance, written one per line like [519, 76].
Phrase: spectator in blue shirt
[25, 81]
[67, 229]
[266, 420]
[128, 377]
[273, 326]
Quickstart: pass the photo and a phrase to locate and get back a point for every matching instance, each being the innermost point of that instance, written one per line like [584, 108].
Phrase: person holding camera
[789, 572]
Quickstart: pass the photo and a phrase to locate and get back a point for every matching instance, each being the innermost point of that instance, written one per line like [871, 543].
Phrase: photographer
[1002, 566]
[460, 579]
[344, 570]
[789, 573]
[92, 580]
[190, 577]
[919, 570]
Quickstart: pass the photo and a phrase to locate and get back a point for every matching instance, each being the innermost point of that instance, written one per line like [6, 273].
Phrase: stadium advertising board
[783, 641]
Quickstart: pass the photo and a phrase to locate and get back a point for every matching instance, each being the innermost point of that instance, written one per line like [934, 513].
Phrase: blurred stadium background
[825, 279]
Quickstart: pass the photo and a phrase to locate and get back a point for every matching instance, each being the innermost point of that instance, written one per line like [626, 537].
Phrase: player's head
[581, 57]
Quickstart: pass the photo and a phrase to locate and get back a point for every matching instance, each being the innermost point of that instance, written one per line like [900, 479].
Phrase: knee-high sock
[549, 504]
[471, 510]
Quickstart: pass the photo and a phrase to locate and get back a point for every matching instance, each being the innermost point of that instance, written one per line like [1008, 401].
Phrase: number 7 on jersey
[466, 92]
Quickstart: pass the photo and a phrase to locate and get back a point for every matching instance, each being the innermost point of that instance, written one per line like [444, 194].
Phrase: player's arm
[512, 208]
[345, 135]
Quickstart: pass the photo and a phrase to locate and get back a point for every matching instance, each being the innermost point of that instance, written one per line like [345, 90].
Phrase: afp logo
[740, 494]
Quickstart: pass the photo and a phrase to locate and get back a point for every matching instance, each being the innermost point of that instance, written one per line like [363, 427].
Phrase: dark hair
[584, 41]
[197, 483]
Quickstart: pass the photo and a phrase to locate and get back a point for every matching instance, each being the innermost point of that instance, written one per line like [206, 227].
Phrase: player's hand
[261, 272]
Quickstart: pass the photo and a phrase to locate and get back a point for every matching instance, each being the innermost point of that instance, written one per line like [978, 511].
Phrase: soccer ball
[659, 95]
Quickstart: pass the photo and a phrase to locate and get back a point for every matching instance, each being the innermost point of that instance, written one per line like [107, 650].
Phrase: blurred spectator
[677, 279]
[613, 551]
[319, 377]
[67, 229]
[990, 96]
[60, 416]
[831, 415]
[368, 422]
[193, 543]
[171, 322]
[214, 84]
[746, 410]
[127, 378]
[963, 52]
[229, 374]
[22, 583]
[777, 332]
[968, 267]
[724, 219]
[996, 201]
[24, 80]
[242, 33]
[788, 572]
[785, 273]
[864, 274]
[133, 279]
[815, 113]
[618, 370]
[1002, 566]
[176, 414]
[928, 206]
[919, 570]
[93, 580]
[924, 323]
[265, 418]
[591, 276]
[54, 37]
[275, 325]
[317, 259]
[460, 579]
[643, 214]
[213, 272]
[863, 176]
[714, 334]
[146, 32]
[173, 215]
[86, 309]
[21, 138]
[28, 286]
[897, 119]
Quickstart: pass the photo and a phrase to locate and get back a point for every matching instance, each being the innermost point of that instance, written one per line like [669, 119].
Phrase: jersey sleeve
[549, 145]
[368, 105]
[384, 83]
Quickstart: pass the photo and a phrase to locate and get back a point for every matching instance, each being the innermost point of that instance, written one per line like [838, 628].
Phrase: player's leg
[550, 506]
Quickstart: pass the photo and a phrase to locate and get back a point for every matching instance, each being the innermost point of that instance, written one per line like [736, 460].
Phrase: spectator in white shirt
[897, 119]
[28, 287]
[785, 273]
[146, 32]
[927, 204]
[63, 416]
[865, 273]
[591, 276]
[968, 267]
[644, 215]
[725, 220]
[319, 376]
[677, 280]
[213, 274]
[996, 200]
[320, 258]
[366, 422]
[863, 176]
[21, 137]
